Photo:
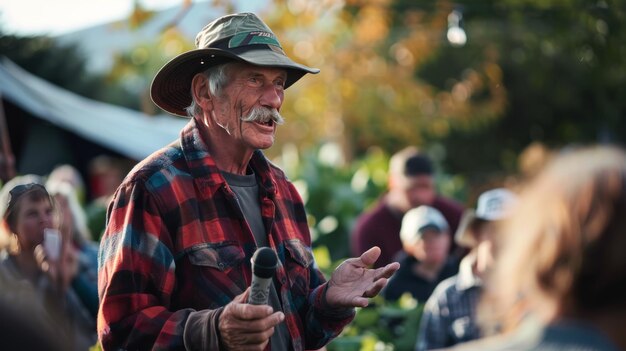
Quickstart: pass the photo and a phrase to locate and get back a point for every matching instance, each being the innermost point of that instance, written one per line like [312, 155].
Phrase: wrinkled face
[419, 190]
[433, 246]
[251, 87]
[32, 218]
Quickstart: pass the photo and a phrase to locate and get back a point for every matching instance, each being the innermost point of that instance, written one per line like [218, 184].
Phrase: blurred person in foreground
[449, 316]
[411, 184]
[34, 280]
[559, 276]
[182, 228]
[425, 261]
[19, 331]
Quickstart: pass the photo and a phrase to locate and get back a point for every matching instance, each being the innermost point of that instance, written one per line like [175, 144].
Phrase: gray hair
[217, 77]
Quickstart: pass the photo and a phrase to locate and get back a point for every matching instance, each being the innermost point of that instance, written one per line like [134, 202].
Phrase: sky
[53, 17]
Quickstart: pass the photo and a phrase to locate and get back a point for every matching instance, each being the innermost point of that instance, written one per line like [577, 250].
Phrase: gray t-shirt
[247, 191]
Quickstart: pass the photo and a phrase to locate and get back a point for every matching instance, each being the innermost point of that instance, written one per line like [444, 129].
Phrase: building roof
[128, 132]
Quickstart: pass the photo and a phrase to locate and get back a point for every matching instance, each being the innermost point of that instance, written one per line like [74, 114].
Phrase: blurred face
[419, 190]
[485, 232]
[32, 218]
[65, 212]
[248, 108]
[432, 247]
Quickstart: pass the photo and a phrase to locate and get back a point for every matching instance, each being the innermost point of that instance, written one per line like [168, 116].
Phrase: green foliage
[335, 192]
[382, 325]
[562, 67]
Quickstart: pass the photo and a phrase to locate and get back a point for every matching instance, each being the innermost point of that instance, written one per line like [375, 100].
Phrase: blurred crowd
[536, 264]
[49, 237]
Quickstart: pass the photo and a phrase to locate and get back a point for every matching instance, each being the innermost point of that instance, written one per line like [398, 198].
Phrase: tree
[562, 66]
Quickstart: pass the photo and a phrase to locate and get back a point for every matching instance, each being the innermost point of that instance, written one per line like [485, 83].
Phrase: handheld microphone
[264, 262]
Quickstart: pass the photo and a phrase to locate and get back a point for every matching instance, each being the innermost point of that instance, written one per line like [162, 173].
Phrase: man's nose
[272, 97]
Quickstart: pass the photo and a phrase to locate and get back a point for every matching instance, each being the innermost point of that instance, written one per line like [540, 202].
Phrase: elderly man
[425, 261]
[183, 226]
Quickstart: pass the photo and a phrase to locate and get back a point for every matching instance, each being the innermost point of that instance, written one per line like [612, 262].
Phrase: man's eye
[254, 81]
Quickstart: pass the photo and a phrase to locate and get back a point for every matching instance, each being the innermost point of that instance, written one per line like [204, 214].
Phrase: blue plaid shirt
[449, 314]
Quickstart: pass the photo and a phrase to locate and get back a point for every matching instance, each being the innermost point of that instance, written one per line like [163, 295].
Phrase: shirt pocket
[221, 256]
[297, 261]
[216, 272]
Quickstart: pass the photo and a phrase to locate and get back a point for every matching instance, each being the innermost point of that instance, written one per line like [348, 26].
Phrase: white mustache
[263, 115]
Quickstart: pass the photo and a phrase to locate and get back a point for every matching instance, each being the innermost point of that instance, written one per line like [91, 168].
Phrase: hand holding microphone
[243, 324]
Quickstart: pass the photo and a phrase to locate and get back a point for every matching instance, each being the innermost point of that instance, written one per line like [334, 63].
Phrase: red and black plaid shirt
[177, 242]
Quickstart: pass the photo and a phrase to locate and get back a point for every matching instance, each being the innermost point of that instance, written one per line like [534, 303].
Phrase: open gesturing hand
[352, 283]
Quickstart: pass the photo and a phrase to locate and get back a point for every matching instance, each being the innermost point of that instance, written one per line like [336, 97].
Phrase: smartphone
[52, 243]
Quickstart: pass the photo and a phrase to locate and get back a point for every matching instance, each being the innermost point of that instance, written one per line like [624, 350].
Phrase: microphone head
[264, 262]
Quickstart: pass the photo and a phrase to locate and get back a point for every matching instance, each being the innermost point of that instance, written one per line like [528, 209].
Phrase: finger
[40, 254]
[258, 337]
[250, 312]
[42, 259]
[359, 301]
[261, 325]
[250, 347]
[370, 256]
[253, 334]
[375, 288]
[387, 271]
[243, 341]
[243, 297]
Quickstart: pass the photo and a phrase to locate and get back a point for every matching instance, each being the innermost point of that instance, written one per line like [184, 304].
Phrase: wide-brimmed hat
[418, 219]
[241, 37]
[493, 205]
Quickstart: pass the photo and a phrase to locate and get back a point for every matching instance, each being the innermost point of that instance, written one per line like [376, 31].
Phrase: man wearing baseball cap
[449, 314]
[411, 183]
[185, 223]
[424, 261]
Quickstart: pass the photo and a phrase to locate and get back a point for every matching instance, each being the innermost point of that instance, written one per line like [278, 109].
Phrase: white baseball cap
[493, 205]
[416, 220]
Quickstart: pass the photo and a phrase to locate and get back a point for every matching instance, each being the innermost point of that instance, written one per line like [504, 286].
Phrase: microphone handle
[259, 290]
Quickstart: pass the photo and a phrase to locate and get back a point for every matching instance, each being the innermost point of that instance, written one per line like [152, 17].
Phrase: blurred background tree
[530, 71]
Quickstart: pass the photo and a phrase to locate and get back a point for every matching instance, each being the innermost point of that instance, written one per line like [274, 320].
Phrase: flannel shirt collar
[203, 168]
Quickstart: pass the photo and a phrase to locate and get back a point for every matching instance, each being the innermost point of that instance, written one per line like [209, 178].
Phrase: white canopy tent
[128, 132]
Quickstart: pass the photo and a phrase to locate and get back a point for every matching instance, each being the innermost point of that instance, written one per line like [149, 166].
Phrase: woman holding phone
[37, 265]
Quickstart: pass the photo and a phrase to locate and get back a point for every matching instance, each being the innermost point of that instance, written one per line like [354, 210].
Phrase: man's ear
[200, 91]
